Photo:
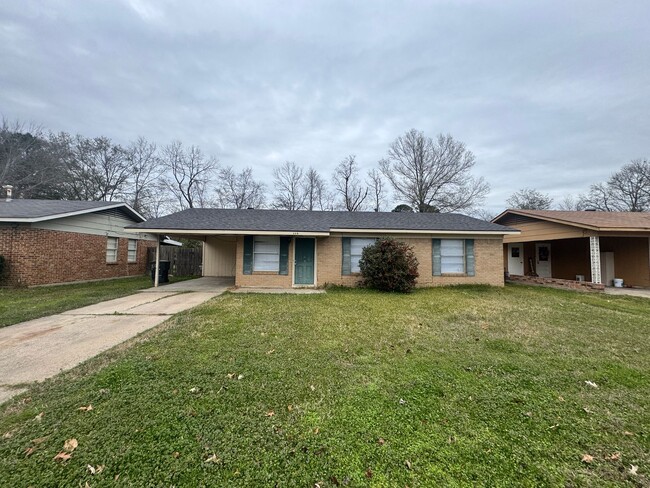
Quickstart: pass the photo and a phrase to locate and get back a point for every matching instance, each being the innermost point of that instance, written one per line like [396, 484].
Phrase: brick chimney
[9, 189]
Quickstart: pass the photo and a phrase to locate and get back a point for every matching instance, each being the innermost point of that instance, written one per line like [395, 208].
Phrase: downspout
[157, 270]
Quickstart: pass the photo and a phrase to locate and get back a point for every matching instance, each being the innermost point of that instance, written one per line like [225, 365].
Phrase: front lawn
[465, 386]
[20, 304]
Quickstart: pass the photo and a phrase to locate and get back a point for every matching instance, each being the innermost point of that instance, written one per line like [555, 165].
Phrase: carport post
[594, 253]
[157, 271]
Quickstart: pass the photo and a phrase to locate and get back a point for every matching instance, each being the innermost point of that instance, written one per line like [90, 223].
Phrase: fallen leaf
[271, 351]
[116, 477]
[70, 445]
[451, 440]
[240, 377]
[40, 440]
[29, 451]
[9, 434]
[213, 459]
[591, 383]
[316, 430]
[99, 469]
[86, 409]
[628, 433]
[231, 375]
[91, 469]
[176, 454]
[87, 485]
[552, 427]
[633, 469]
[39, 417]
[408, 464]
[587, 410]
[62, 456]
[368, 473]
[312, 387]
[561, 398]
[402, 401]
[290, 408]
[587, 458]
[615, 456]
[270, 413]
[528, 414]
[381, 441]
[194, 390]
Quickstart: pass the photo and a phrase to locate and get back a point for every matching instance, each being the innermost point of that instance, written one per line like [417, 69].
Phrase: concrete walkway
[41, 348]
[633, 292]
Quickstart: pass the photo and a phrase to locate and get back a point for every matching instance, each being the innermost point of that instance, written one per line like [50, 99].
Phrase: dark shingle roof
[198, 219]
[34, 210]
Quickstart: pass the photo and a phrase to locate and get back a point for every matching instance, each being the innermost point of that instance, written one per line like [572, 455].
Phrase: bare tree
[433, 175]
[346, 183]
[483, 214]
[627, 190]
[317, 196]
[289, 187]
[239, 190]
[376, 185]
[568, 203]
[96, 169]
[146, 169]
[190, 173]
[529, 199]
[29, 161]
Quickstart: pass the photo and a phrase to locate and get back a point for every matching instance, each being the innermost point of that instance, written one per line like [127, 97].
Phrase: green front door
[304, 268]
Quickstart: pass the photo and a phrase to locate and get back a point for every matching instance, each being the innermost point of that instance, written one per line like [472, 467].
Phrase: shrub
[389, 265]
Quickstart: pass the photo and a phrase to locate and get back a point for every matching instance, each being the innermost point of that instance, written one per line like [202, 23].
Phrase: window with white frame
[452, 256]
[356, 248]
[133, 250]
[266, 253]
[111, 249]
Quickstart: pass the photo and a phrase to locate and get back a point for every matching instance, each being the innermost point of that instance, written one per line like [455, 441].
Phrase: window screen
[452, 256]
[133, 250]
[356, 247]
[111, 249]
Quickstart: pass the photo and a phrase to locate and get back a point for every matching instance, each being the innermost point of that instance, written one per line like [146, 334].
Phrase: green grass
[492, 382]
[20, 304]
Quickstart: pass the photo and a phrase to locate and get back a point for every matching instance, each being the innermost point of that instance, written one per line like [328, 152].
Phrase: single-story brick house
[284, 249]
[595, 246]
[60, 241]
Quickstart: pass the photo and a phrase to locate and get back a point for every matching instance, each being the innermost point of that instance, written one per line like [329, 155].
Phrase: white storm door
[516, 259]
[543, 259]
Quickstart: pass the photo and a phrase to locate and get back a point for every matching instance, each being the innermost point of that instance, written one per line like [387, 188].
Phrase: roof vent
[9, 189]
[590, 209]
[250, 208]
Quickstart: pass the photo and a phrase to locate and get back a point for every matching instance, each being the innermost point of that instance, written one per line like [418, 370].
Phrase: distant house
[285, 249]
[55, 241]
[595, 246]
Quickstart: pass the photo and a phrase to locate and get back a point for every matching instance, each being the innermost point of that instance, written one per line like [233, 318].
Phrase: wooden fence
[184, 261]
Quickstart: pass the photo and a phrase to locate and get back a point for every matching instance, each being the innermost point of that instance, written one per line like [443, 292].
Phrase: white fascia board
[68, 214]
[427, 232]
[212, 232]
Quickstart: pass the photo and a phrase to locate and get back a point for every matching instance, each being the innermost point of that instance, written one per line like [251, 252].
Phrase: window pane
[452, 256]
[266, 253]
[356, 247]
[133, 250]
[111, 249]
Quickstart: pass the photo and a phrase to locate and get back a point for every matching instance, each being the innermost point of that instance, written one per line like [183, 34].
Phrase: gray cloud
[554, 95]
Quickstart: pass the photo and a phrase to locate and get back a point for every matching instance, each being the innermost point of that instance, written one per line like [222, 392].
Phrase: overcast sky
[554, 96]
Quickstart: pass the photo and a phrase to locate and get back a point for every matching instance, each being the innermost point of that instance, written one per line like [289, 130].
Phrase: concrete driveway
[40, 348]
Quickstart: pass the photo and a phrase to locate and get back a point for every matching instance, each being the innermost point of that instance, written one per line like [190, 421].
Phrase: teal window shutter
[248, 254]
[436, 260]
[346, 267]
[284, 255]
[469, 257]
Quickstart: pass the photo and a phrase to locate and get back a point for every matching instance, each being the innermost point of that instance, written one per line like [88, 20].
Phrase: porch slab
[633, 292]
[210, 284]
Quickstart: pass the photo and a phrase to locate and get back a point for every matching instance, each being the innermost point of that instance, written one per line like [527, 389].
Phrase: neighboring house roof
[222, 221]
[593, 220]
[27, 210]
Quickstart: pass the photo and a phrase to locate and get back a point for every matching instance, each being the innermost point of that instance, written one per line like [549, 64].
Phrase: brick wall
[40, 257]
[488, 256]
[558, 283]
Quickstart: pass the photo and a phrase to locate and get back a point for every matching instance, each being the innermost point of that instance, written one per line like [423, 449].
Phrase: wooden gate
[184, 261]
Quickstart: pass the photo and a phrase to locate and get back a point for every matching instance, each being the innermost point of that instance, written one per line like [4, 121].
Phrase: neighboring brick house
[594, 247]
[59, 241]
[284, 249]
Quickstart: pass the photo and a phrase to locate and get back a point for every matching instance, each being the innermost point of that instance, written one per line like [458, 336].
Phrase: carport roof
[587, 219]
[247, 221]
